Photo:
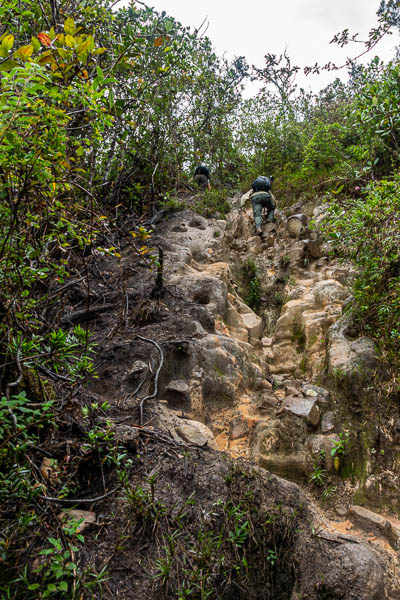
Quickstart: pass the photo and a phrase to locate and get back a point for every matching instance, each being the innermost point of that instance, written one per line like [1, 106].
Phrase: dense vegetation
[104, 114]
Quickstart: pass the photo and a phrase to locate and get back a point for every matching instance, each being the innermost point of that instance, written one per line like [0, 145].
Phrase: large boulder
[346, 355]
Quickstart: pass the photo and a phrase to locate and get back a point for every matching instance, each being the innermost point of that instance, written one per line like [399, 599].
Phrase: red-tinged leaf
[46, 58]
[158, 41]
[24, 52]
[44, 39]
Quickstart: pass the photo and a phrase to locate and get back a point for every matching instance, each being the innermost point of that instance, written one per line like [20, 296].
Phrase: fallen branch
[53, 375]
[154, 394]
[14, 384]
[64, 288]
[87, 313]
[78, 500]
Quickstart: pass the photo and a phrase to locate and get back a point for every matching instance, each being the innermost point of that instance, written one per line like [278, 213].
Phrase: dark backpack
[202, 170]
[261, 184]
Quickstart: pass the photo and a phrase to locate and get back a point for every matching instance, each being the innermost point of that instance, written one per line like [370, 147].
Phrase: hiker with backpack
[202, 177]
[261, 197]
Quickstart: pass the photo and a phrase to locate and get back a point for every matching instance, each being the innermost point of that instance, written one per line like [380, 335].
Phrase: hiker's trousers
[261, 200]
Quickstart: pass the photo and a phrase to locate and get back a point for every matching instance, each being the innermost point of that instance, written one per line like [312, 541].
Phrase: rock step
[377, 524]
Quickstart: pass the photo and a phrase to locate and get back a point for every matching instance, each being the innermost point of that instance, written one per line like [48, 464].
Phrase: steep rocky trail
[190, 368]
[265, 401]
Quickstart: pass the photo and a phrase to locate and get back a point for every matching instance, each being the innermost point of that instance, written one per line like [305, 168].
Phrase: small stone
[127, 435]
[88, 517]
[311, 393]
[341, 510]
[195, 432]
[321, 393]
[177, 385]
[221, 224]
[292, 391]
[328, 422]
[303, 407]
[266, 342]
[138, 367]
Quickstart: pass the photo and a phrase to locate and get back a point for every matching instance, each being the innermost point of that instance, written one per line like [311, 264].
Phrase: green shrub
[252, 285]
[366, 230]
[212, 202]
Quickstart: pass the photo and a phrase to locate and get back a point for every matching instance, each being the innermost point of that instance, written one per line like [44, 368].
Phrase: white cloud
[305, 27]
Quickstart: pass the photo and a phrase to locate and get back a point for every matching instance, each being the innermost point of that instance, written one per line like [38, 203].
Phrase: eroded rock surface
[249, 381]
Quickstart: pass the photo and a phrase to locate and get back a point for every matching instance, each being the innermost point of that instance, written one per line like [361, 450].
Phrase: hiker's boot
[259, 231]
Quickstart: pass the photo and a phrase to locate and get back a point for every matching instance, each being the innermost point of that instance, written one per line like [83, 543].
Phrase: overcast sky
[252, 28]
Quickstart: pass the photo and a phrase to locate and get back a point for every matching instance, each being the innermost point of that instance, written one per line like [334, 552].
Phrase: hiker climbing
[261, 197]
[202, 177]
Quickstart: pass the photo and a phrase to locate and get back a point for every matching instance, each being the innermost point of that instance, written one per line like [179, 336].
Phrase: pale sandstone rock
[253, 324]
[177, 385]
[346, 355]
[222, 224]
[292, 391]
[233, 317]
[369, 521]
[329, 291]
[295, 308]
[328, 422]
[88, 517]
[315, 391]
[295, 224]
[285, 359]
[240, 334]
[305, 408]
[220, 270]
[254, 245]
[290, 466]
[195, 432]
[296, 254]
